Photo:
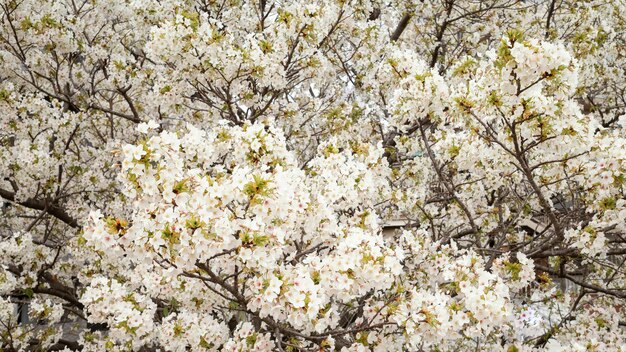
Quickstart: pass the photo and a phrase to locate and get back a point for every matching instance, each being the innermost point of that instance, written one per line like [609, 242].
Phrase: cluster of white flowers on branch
[221, 175]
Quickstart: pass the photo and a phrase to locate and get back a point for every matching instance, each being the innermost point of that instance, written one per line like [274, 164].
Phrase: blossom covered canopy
[190, 175]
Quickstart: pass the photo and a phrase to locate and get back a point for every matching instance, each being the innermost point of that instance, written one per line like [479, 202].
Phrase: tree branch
[400, 28]
[37, 204]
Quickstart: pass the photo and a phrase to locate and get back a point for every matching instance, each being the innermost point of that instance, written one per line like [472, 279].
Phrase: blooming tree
[222, 175]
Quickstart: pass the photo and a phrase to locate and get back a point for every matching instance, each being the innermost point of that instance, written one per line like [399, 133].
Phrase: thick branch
[38, 204]
[549, 19]
[400, 28]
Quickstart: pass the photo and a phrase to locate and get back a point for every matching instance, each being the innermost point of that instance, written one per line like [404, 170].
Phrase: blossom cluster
[347, 175]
